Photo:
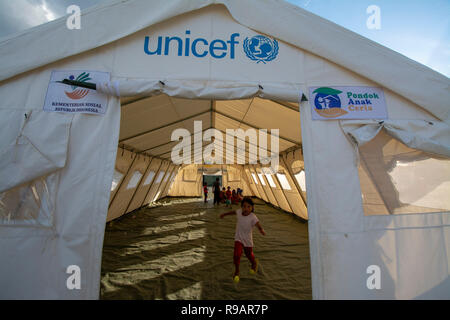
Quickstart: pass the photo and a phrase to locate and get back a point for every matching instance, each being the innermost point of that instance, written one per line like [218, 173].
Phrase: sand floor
[181, 249]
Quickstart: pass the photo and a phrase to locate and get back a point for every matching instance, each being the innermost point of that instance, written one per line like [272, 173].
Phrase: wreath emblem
[260, 48]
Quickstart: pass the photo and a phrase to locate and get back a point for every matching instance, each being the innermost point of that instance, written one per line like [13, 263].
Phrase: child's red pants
[238, 246]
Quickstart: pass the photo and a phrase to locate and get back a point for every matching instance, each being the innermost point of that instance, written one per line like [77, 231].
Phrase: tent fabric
[391, 242]
[131, 143]
[388, 170]
[31, 149]
[414, 133]
[219, 90]
[411, 80]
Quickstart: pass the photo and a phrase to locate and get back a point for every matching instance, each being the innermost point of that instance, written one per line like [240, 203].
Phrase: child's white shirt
[244, 226]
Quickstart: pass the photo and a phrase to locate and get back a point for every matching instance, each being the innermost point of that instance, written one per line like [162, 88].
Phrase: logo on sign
[327, 102]
[260, 48]
[77, 92]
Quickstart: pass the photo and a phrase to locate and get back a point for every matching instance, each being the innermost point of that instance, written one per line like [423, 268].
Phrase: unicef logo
[261, 49]
[327, 102]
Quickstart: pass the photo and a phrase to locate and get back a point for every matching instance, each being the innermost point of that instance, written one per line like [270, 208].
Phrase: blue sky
[418, 29]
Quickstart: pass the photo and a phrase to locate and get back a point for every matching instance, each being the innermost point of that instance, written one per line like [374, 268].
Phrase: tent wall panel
[145, 184]
[244, 185]
[288, 165]
[344, 242]
[187, 182]
[294, 198]
[266, 186]
[155, 188]
[261, 192]
[281, 196]
[128, 187]
[35, 259]
[171, 181]
[252, 185]
[123, 164]
[165, 182]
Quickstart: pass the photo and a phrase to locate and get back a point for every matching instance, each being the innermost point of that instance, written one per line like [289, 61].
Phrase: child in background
[222, 195]
[228, 197]
[243, 239]
[239, 194]
[205, 191]
[234, 197]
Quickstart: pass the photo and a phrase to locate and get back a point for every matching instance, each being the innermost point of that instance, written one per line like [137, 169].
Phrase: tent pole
[166, 143]
[297, 186]
[137, 188]
[162, 181]
[121, 182]
[151, 184]
[269, 187]
[164, 126]
[257, 177]
[284, 194]
[176, 168]
[286, 106]
[246, 178]
[252, 126]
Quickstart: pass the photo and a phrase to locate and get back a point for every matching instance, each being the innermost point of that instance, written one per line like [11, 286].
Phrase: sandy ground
[181, 249]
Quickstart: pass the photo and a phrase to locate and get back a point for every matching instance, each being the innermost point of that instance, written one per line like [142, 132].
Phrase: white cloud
[27, 13]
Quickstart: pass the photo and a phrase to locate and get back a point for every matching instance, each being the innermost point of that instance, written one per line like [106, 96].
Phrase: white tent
[376, 230]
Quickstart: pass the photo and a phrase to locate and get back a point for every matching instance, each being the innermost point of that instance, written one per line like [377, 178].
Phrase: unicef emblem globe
[260, 48]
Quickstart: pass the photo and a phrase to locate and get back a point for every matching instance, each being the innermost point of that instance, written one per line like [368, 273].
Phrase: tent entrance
[210, 179]
[146, 173]
[148, 169]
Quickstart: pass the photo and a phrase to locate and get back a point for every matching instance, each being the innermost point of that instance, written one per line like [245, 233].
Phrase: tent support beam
[297, 186]
[128, 148]
[138, 186]
[270, 188]
[252, 170]
[296, 109]
[134, 100]
[151, 184]
[164, 144]
[162, 187]
[246, 179]
[165, 125]
[192, 144]
[252, 126]
[284, 193]
[121, 182]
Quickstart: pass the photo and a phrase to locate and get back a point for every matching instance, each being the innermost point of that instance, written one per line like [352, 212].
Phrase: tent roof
[146, 127]
[109, 22]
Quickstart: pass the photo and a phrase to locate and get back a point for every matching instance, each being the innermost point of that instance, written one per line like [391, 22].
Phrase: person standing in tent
[216, 191]
[243, 239]
[205, 191]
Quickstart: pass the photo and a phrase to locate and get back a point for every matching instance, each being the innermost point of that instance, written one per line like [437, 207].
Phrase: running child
[243, 239]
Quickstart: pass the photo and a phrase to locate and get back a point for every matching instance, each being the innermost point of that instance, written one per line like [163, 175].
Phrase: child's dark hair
[249, 201]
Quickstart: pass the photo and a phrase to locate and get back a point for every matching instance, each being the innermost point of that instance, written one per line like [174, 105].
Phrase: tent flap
[427, 136]
[35, 147]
